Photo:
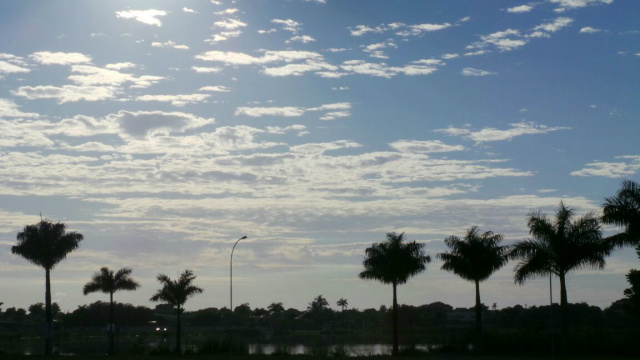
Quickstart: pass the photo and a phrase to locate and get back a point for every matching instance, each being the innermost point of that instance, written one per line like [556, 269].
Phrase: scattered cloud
[520, 9]
[175, 100]
[59, 58]
[8, 68]
[187, 10]
[66, 93]
[149, 17]
[206, 70]
[9, 108]
[170, 44]
[424, 146]
[475, 72]
[589, 30]
[152, 123]
[628, 165]
[399, 29]
[334, 111]
[216, 88]
[564, 5]
[492, 134]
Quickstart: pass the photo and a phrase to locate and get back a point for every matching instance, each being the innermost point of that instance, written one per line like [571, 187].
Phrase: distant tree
[318, 304]
[46, 244]
[275, 308]
[108, 282]
[559, 246]
[475, 258]
[342, 303]
[394, 262]
[176, 293]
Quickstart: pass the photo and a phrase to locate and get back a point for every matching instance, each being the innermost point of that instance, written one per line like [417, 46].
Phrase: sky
[163, 131]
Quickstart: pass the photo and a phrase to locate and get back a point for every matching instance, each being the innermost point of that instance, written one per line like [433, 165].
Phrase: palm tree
[342, 303]
[475, 258]
[394, 262]
[108, 282]
[176, 293]
[275, 308]
[557, 247]
[624, 210]
[46, 244]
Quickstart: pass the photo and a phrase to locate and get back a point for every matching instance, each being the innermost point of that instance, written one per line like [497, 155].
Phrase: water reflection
[348, 350]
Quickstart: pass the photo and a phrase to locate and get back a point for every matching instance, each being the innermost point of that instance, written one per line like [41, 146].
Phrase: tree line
[557, 246]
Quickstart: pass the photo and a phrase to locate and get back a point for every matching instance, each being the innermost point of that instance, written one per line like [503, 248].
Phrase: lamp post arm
[231, 274]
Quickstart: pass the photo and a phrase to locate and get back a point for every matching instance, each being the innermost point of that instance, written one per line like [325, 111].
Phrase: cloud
[120, 66]
[424, 146]
[400, 29]
[589, 30]
[170, 44]
[216, 88]
[298, 69]
[491, 134]
[229, 24]
[520, 9]
[10, 109]
[66, 93]
[334, 111]
[93, 75]
[175, 100]
[288, 25]
[230, 11]
[450, 56]
[8, 68]
[475, 72]
[223, 36]
[187, 10]
[151, 123]
[630, 165]
[149, 17]
[564, 5]
[302, 39]
[236, 58]
[555, 25]
[59, 58]
[206, 70]
[287, 111]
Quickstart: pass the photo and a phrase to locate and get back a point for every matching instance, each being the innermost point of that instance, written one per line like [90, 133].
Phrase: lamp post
[231, 274]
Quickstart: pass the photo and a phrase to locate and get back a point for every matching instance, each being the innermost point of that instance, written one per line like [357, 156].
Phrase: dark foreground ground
[294, 357]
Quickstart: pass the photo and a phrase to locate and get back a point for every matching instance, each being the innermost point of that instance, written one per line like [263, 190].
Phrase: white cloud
[66, 93]
[575, 4]
[206, 70]
[216, 88]
[332, 115]
[149, 17]
[301, 38]
[491, 134]
[223, 36]
[170, 44]
[229, 24]
[400, 29]
[59, 58]
[288, 25]
[8, 68]
[287, 111]
[230, 11]
[92, 75]
[120, 66]
[630, 165]
[520, 9]
[589, 30]
[187, 10]
[424, 146]
[175, 100]
[10, 109]
[360, 30]
[555, 25]
[298, 69]
[450, 56]
[475, 72]
[236, 58]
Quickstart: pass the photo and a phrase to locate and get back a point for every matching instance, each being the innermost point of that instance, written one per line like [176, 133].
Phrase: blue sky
[165, 130]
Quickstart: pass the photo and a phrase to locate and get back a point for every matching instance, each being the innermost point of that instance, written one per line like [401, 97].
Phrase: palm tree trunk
[396, 350]
[478, 309]
[111, 326]
[178, 348]
[564, 317]
[48, 343]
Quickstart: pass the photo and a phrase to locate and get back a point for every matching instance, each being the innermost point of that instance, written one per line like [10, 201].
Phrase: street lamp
[231, 274]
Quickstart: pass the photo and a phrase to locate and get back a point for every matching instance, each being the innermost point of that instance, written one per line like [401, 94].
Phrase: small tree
[342, 303]
[176, 293]
[475, 258]
[46, 244]
[394, 262]
[107, 282]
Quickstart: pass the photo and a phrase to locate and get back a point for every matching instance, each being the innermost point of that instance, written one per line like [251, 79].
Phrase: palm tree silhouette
[624, 210]
[275, 308]
[394, 262]
[475, 258]
[108, 282]
[176, 293]
[557, 247]
[342, 303]
[46, 244]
